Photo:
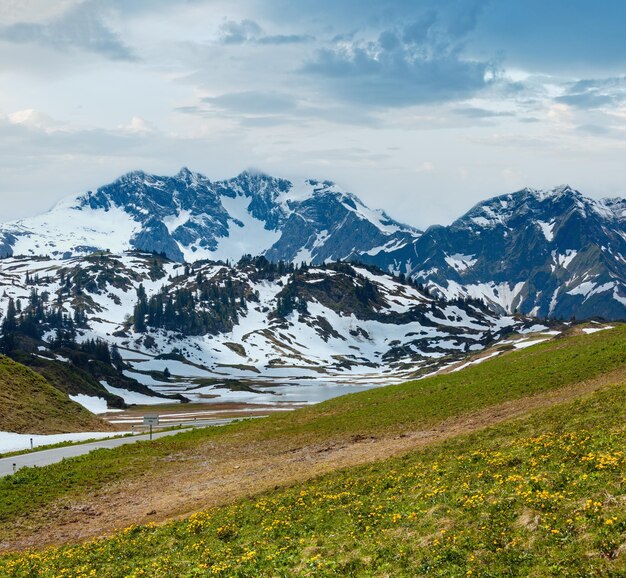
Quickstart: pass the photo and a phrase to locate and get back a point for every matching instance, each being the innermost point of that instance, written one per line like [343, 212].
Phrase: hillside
[252, 320]
[29, 404]
[539, 497]
[221, 465]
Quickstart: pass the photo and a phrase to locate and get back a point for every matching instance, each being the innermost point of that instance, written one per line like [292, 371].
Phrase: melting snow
[536, 329]
[461, 262]
[527, 343]
[135, 398]
[477, 361]
[14, 442]
[298, 349]
[596, 329]
[93, 404]
[547, 229]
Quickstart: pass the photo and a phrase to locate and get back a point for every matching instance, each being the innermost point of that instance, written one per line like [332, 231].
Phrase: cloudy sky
[421, 107]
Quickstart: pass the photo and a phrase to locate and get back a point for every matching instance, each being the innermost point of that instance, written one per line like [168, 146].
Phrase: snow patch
[527, 343]
[588, 288]
[563, 260]
[253, 238]
[596, 329]
[547, 229]
[93, 404]
[14, 442]
[460, 262]
[172, 222]
[477, 361]
[135, 398]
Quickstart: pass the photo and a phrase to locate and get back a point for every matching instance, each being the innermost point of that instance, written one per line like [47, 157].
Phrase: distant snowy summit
[553, 253]
[189, 217]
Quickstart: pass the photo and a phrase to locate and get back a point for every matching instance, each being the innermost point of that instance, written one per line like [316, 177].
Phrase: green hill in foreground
[539, 497]
[29, 404]
[542, 495]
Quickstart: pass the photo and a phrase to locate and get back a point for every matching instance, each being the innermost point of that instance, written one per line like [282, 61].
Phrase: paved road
[46, 457]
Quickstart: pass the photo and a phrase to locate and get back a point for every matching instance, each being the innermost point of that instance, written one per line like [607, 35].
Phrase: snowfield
[14, 442]
[330, 349]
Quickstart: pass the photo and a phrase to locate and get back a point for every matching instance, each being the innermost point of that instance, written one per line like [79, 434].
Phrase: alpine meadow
[362, 332]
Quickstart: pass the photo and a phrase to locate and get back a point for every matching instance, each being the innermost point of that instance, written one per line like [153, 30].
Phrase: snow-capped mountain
[549, 253]
[253, 319]
[188, 217]
[546, 253]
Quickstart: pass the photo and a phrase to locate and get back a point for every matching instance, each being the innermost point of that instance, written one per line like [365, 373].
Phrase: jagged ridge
[188, 217]
[546, 253]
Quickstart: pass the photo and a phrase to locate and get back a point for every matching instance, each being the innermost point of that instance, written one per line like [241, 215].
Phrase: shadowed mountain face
[547, 253]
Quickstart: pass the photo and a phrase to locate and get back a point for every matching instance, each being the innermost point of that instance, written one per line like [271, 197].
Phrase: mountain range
[549, 254]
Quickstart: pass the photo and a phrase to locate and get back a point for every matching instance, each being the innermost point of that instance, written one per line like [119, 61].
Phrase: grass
[66, 377]
[542, 496]
[29, 404]
[388, 410]
[543, 367]
[31, 489]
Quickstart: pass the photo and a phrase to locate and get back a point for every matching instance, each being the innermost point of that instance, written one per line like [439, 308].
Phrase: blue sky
[420, 107]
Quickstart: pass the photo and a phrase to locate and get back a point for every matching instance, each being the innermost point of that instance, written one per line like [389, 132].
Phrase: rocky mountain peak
[548, 252]
[526, 204]
[189, 217]
[184, 173]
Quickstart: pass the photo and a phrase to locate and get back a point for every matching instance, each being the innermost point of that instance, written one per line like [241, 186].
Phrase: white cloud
[35, 119]
[137, 125]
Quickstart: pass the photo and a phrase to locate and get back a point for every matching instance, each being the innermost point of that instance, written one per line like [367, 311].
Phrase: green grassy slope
[29, 404]
[543, 367]
[391, 410]
[68, 378]
[539, 496]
